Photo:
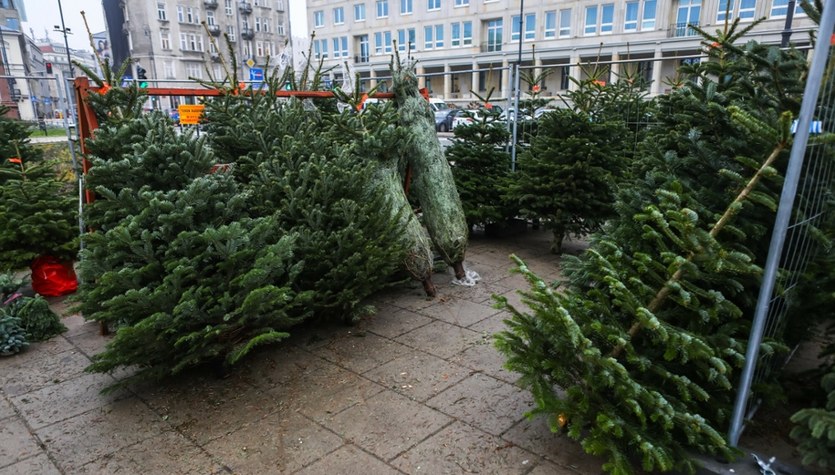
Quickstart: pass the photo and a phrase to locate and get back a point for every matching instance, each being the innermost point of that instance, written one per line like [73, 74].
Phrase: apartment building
[168, 41]
[466, 46]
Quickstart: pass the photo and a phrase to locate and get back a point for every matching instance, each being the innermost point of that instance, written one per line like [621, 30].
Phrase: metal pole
[66, 41]
[781, 222]
[787, 29]
[516, 87]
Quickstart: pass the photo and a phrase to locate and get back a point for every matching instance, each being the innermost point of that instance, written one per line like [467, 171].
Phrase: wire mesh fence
[804, 204]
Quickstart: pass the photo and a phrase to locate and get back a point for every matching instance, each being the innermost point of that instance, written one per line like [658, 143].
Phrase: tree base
[429, 287]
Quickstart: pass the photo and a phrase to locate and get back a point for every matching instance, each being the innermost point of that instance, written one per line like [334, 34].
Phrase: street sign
[256, 75]
[47, 100]
[250, 62]
[190, 113]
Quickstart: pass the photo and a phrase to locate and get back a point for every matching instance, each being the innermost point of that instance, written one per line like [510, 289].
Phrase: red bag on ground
[52, 277]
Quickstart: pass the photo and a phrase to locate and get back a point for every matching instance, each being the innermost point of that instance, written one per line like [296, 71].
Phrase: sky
[44, 14]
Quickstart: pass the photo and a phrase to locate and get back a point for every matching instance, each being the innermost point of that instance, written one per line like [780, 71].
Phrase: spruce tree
[37, 210]
[640, 352]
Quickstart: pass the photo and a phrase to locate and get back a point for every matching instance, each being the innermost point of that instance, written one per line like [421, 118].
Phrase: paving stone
[395, 322]
[279, 443]
[487, 403]
[57, 402]
[535, 436]
[460, 448]
[548, 468]
[324, 390]
[491, 325]
[316, 334]
[167, 453]
[34, 354]
[348, 460]
[418, 375]
[90, 342]
[440, 339]
[28, 375]
[276, 365]
[360, 351]
[39, 464]
[6, 408]
[481, 292]
[485, 357]
[387, 424]
[77, 325]
[409, 296]
[458, 311]
[204, 408]
[90, 436]
[16, 443]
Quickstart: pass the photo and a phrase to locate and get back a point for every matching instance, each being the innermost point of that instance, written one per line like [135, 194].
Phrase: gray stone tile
[481, 292]
[549, 468]
[69, 398]
[387, 424]
[90, 436]
[491, 325]
[204, 408]
[360, 351]
[90, 342]
[458, 311]
[39, 464]
[410, 296]
[279, 443]
[485, 358]
[77, 325]
[418, 375]
[535, 436]
[168, 452]
[276, 365]
[29, 375]
[460, 448]
[487, 403]
[324, 390]
[348, 460]
[6, 408]
[395, 322]
[440, 339]
[16, 443]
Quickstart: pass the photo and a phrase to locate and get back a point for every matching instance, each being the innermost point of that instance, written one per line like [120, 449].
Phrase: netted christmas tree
[38, 212]
[637, 355]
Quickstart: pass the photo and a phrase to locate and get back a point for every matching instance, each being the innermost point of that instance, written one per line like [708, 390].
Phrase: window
[192, 15]
[383, 42]
[433, 5]
[745, 12]
[340, 47]
[279, 26]
[365, 50]
[168, 69]
[230, 32]
[565, 74]
[247, 47]
[455, 34]
[181, 14]
[648, 19]
[165, 39]
[630, 17]
[591, 21]
[565, 23]
[607, 18]
[320, 49]
[161, 15]
[257, 23]
[259, 48]
[467, 40]
[359, 12]
[434, 36]
[781, 7]
[227, 7]
[406, 7]
[210, 17]
[494, 34]
[462, 3]
[530, 27]
[318, 19]
[183, 42]
[550, 24]
[747, 7]
[461, 34]
[687, 14]
[265, 24]
[382, 8]
[338, 16]
[194, 70]
[406, 37]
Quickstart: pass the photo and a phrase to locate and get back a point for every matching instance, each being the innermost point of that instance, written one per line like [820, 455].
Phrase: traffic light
[140, 74]
[48, 68]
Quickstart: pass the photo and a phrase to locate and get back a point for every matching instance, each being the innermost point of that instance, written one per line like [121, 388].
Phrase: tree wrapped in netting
[637, 355]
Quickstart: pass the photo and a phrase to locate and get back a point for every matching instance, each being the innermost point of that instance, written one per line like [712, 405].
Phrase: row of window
[599, 19]
[187, 14]
[195, 42]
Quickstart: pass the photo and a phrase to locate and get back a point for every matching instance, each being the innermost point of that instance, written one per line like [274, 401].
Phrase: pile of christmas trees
[637, 355]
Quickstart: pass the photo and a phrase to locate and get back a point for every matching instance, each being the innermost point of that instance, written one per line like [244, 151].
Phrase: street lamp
[516, 81]
[66, 31]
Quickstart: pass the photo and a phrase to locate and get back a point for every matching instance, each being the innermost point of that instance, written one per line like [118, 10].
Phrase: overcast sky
[44, 14]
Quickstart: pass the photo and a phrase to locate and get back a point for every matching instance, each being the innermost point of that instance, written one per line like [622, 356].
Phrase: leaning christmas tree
[637, 355]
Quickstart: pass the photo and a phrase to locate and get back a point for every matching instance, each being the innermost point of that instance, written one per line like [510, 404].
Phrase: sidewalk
[416, 388]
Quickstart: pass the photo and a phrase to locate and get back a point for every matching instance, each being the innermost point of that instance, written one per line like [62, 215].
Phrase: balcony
[361, 59]
[210, 4]
[682, 29]
[247, 33]
[215, 57]
[245, 8]
[214, 30]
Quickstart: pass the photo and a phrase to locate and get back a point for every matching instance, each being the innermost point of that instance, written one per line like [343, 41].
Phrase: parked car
[445, 118]
[542, 111]
[510, 114]
[466, 117]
